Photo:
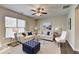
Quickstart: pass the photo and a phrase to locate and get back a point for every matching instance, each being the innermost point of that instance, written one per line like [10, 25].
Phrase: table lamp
[36, 30]
[15, 30]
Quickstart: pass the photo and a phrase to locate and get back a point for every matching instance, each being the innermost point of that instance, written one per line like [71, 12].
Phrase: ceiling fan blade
[67, 6]
[34, 10]
[33, 13]
[44, 12]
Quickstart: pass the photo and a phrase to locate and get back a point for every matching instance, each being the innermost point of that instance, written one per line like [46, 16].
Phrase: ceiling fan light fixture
[38, 14]
[39, 11]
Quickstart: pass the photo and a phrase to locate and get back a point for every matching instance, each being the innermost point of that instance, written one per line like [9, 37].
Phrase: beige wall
[58, 21]
[77, 29]
[30, 24]
[5, 12]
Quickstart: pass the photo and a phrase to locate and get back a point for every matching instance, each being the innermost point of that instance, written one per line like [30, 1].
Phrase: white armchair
[62, 38]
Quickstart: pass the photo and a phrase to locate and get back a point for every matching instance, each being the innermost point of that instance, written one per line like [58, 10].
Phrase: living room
[56, 18]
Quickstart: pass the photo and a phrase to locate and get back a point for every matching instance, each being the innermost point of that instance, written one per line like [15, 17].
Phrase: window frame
[14, 27]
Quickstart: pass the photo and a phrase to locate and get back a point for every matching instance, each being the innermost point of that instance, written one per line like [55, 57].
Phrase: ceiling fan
[66, 6]
[39, 11]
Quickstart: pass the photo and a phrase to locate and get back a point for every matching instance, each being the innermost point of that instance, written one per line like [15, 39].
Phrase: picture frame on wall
[70, 24]
[47, 26]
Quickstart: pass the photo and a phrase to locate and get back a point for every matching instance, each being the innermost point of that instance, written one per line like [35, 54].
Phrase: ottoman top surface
[31, 43]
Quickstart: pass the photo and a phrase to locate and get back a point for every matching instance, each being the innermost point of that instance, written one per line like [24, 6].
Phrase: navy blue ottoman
[31, 47]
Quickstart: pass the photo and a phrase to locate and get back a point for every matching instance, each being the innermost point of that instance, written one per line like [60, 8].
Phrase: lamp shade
[36, 28]
[56, 29]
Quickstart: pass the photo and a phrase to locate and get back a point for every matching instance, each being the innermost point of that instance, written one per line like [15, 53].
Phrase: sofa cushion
[44, 32]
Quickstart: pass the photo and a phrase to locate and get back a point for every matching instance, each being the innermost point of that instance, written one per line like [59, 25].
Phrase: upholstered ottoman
[31, 47]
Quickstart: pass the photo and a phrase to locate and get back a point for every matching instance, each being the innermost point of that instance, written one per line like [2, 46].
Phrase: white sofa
[44, 35]
[21, 38]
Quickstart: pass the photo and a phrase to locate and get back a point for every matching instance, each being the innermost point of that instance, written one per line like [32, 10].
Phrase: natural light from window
[11, 23]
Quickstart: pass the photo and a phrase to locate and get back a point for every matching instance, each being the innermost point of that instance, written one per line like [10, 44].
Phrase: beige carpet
[47, 47]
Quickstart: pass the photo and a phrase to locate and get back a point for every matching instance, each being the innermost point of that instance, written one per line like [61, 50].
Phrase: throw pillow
[29, 33]
[24, 34]
[48, 33]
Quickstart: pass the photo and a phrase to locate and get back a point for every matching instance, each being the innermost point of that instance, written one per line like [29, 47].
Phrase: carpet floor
[47, 47]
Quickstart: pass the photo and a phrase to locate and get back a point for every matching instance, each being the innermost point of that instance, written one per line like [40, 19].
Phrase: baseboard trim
[75, 51]
[66, 48]
[71, 45]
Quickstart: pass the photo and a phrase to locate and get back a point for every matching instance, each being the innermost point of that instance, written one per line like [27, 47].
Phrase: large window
[11, 23]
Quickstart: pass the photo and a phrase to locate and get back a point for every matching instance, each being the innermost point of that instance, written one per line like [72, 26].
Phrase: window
[21, 25]
[11, 23]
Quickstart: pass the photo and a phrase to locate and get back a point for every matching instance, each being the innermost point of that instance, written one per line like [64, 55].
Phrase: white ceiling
[51, 9]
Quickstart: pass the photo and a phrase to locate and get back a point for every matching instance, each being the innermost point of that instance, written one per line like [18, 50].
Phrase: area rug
[47, 47]
[13, 44]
